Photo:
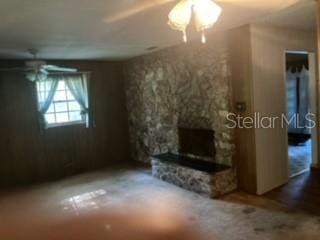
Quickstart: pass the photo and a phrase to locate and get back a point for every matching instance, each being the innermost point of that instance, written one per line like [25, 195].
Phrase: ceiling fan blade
[135, 9]
[35, 64]
[43, 71]
[16, 69]
[58, 69]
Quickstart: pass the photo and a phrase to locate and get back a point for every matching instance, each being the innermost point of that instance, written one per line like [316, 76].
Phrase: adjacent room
[298, 97]
[159, 119]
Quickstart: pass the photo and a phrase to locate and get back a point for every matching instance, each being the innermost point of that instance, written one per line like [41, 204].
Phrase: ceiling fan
[36, 69]
[204, 12]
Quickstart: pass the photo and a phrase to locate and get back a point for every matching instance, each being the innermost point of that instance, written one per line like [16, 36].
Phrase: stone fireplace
[194, 167]
[177, 101]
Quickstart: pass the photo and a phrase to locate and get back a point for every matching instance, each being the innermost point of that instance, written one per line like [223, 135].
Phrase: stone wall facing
[211, 185]
[188, 86]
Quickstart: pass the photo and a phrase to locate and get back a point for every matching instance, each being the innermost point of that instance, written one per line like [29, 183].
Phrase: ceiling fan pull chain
[185, 38]
[203, 37]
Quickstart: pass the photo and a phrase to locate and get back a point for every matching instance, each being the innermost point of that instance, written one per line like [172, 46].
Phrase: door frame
[313, 88]
[313, 93]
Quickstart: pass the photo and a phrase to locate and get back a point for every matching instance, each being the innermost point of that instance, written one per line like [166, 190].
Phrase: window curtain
[304, 106]
[298, 98]
[78, 86]
[46, 90]
[292, 98]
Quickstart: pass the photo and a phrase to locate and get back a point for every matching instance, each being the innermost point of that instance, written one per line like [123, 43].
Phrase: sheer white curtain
[298, 98]
[78, 86]
[304, 107]
[292, 98]
[46, 89]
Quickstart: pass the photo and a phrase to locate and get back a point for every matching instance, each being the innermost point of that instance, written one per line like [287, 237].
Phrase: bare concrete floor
[130, 198]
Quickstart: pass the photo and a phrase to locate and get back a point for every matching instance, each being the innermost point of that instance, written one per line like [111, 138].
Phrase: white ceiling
[106, 29]
[300, 16]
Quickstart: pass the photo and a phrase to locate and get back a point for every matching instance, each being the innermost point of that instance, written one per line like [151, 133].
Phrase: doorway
[299, 112]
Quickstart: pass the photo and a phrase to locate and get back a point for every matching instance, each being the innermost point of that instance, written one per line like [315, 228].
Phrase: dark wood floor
[301, 193]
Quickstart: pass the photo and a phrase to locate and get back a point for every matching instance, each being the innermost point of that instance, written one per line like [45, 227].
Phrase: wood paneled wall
[28, 155]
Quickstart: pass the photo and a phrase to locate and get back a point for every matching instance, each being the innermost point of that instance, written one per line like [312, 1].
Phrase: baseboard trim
[300, 173]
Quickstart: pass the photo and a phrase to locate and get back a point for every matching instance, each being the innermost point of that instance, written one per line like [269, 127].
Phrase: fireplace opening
[197, 143]
[196, 151]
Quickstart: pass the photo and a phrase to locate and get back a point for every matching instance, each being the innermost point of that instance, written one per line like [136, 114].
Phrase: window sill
[66, 124]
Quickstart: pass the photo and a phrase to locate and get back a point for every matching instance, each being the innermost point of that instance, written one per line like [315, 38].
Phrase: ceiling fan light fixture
[180, 17]
[206, 14]
[36, 76]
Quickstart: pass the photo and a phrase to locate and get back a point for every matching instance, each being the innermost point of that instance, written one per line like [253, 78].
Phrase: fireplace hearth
[194, 163]
[193, 168]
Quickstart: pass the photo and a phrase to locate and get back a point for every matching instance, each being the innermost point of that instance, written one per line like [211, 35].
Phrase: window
[63, 108]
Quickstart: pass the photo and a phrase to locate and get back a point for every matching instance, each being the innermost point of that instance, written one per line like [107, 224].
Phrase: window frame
[67, 101]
